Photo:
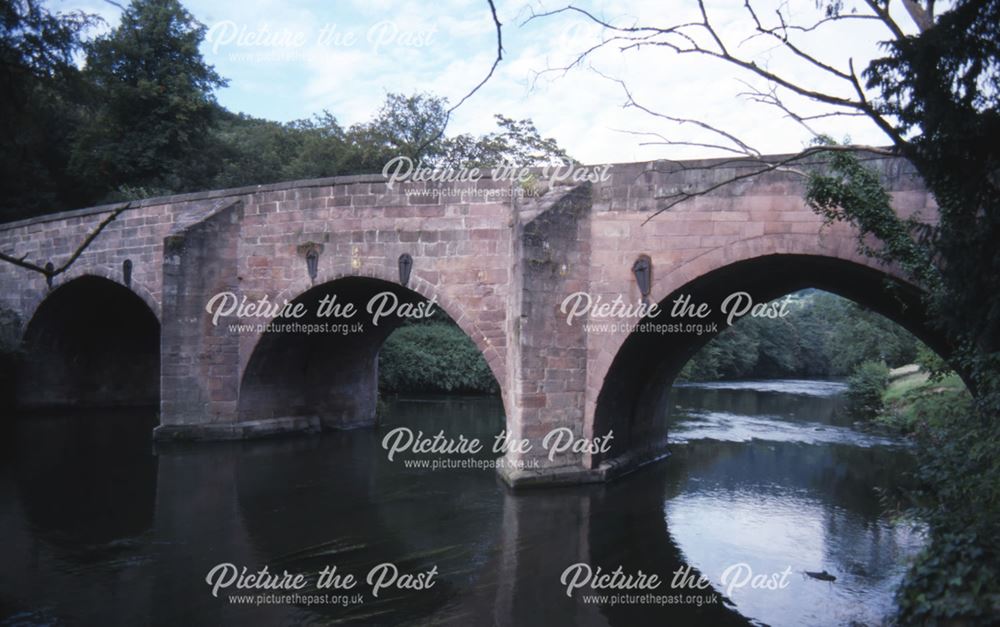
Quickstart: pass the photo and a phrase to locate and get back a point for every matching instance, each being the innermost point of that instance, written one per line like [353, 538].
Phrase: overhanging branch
[49, 271]
[489, 75]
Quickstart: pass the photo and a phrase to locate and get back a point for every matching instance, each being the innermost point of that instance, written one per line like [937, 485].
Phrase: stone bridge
[127, 322]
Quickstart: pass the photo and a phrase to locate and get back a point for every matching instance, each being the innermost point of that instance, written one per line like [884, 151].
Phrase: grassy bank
[913, 400]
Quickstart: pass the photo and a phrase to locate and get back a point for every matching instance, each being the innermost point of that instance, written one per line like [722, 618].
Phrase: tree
[254, 151]
[823, 335]
[251, 151]
[39, 107]
[943, 88]
[435, 356]
[324, 150]
[153, 102]
[408, 126]
[517, 142]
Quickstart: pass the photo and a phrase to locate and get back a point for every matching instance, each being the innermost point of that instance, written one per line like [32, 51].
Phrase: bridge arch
[424, 288]
[79, 271]
[632, 396]
[333, 375]
[90, 342]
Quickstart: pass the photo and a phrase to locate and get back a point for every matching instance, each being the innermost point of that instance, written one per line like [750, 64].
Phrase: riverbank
[914, 399]
[955, 580]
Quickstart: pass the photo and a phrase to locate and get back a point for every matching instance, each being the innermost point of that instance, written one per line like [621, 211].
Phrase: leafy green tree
[942, 87]
[409, 126]
[153, 102]
[251, 151]
[39, 105]
[324, 150]
[778, 347]
[517, 142]
[932, 363]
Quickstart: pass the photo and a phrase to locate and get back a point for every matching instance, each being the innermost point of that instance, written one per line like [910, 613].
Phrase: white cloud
[581, 109]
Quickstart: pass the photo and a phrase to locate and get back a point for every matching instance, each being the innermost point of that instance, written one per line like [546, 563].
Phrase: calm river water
[99, 528]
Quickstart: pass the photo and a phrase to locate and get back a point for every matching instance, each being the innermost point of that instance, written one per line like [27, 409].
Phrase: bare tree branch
[921, 16]
[786, 28]
[683, 38]
[49, 270]
[883, 15]
[489, 75]
[742, 147]
[664, 141]
[703, 38]
[784, 41]
[496, 61]
[782, 164]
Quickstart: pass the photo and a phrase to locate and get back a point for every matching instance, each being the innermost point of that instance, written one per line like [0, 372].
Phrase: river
[100, 527]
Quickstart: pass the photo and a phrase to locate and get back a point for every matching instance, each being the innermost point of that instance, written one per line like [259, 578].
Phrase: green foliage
[149, 125]
[323, 150]
[517, 142]
[39, 104]
[731, 355]
[865, 388]
[37, 42]
[932, 363]
[433, 357]
[916, 401]
[410, 126]
[141, 119]
[941, 89]
[956, 578]
[852, 192]
[252, 151]
[824, 335]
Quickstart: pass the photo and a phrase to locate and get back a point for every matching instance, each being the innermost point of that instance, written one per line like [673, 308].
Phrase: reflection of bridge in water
[106, 519]
[301, 504]
[499, 267]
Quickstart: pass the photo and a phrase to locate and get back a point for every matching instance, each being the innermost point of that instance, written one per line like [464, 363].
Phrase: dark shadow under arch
[633, 397]
[91, 343]
[331, 375]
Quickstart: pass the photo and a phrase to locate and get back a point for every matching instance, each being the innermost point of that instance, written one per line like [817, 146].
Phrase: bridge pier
[199, 373]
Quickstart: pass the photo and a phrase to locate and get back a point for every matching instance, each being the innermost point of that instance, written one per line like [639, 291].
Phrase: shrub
[956, 579]
[433, 357]
[932, 363]
[865, 388]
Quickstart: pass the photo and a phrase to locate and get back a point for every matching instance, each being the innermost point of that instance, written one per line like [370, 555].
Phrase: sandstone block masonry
[497, 259]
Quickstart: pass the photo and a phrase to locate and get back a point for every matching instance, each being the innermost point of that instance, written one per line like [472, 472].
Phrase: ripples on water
[782, 477]
[726, 427]
[98, 528]
[802, 387]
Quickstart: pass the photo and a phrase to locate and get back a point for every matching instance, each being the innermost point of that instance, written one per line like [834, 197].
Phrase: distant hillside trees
[139, 118]
[824, 335]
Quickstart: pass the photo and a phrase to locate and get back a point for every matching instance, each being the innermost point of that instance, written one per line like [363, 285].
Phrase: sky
[290, 59]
